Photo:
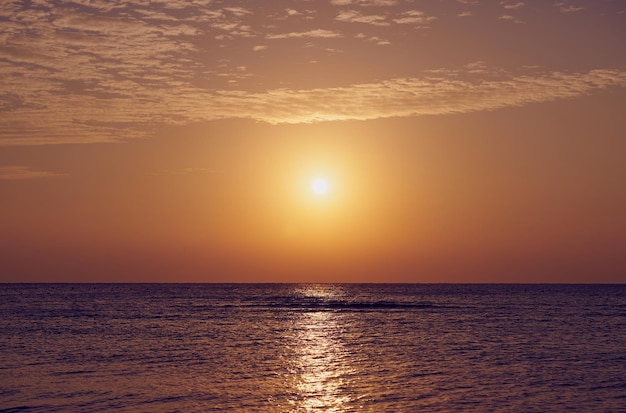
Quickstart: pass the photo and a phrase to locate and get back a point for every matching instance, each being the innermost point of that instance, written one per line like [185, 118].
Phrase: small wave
[358, 305]
[72, 372]
[325, 305]
[24, 409]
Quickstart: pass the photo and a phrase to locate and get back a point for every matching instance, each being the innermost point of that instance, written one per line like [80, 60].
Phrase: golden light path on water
[321, 362]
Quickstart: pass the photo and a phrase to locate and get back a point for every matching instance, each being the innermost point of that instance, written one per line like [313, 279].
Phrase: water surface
[312, 348]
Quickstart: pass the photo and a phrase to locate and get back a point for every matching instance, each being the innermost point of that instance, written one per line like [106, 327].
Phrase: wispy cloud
[365, 3]
[571, 9]
[85, 71]
[565, 7]
[444, 94]
[355, 16]
[474, 88]
[319, 33]
[511, 6]
[414, 17]
[18, 173]
[510, 18]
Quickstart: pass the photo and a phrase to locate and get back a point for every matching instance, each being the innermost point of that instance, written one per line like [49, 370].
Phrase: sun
[319, 186]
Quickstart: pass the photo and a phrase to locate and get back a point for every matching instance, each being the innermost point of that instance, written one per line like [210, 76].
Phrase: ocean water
[312, 348]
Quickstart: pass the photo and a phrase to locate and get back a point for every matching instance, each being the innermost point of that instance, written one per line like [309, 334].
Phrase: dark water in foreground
[312, 348]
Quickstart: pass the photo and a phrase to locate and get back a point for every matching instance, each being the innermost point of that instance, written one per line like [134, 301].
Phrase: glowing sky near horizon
[469, 140]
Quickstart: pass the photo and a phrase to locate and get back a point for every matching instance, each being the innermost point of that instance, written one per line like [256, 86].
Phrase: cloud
[480, 67]
[82, 71]
[571, 9]
[320, 33]
[354, 16]
[564, 7]
[365, 3]
[510, 18]
[510, 6]
[10, 101]
[238, 11]
[19, 173]
[375, 39]
[413, 97]
[473, 88]
[414, 17]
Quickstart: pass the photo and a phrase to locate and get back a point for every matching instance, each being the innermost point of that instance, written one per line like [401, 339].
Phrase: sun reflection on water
[321, 362]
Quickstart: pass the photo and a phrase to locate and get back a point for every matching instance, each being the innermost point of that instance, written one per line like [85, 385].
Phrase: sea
[312, 348]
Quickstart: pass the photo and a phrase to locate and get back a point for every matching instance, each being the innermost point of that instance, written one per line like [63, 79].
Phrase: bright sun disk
[319, 186]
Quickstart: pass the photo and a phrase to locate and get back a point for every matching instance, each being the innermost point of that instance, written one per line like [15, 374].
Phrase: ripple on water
[305, 348]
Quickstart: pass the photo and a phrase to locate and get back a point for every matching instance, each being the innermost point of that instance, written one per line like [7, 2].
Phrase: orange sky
[176, 141]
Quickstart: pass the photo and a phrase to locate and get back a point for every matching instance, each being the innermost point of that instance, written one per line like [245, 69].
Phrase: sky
[179, 141]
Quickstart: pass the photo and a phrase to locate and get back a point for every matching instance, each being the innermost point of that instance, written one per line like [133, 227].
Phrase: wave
[339, 305]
